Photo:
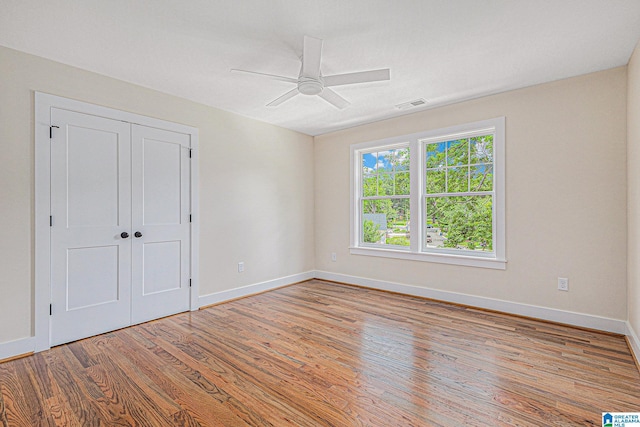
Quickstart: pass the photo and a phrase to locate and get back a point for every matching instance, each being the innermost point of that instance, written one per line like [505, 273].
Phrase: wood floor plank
[22, 396]
[3, 414]
[325, 354]
[78, 397]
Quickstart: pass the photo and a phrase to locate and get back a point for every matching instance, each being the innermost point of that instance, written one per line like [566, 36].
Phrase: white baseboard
[634, 341]
[544, 313]
[222, 296]
[17, 347]
[27, 345]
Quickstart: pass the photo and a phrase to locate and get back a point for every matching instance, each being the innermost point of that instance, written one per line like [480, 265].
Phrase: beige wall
[633, 173]
[565, 197]
[255, 179]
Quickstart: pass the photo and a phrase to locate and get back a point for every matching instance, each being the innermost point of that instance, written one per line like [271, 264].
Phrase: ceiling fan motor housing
[310, 86]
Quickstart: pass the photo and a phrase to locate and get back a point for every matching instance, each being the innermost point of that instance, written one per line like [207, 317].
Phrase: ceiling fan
[312, 82]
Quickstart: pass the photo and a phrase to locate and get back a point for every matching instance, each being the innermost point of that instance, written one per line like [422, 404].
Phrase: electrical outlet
[334, 257]
[240, 267]
[563, 284]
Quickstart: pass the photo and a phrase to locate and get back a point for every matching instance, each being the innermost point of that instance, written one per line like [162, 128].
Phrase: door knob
[137, 234]
[124, 234]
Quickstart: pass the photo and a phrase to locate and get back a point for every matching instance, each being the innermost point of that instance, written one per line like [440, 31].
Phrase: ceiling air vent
[412, 104]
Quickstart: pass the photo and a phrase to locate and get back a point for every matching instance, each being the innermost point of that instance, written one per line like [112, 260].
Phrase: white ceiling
[443, 51]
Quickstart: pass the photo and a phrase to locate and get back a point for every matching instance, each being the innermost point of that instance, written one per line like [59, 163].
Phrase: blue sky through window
[369, 161]
[377, 161]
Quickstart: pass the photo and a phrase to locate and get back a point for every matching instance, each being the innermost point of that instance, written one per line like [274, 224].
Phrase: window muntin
[384, 203]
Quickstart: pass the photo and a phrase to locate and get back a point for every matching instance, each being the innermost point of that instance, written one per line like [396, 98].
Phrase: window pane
[481, 178]
[386, 160]
[385, 173]
[373, 222]
[482, 149]
[370, 186]
[459, 222]
[458, 152]
[436, 181]
[458, 180]
[436, 155]
[398, 228]
[386, 221]
[369, 162]
[402, 183]
[385, 184]
[402, 160]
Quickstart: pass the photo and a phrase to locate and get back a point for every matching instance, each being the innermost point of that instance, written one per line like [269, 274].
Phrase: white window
[434, 196]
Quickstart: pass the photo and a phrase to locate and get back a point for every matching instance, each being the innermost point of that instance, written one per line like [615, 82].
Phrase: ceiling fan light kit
[311, 82]
[309, 86]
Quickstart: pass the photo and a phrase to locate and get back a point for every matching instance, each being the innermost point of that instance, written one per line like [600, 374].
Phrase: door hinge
[189, 282]
[189, 217]
[50, 309]
[50, 221]
[190, 150]
[51, 131]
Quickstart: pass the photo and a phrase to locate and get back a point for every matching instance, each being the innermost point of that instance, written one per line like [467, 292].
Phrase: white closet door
[90, 207]
[160, 223]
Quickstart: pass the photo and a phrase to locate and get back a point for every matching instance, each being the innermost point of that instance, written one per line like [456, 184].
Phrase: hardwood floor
[322, 354]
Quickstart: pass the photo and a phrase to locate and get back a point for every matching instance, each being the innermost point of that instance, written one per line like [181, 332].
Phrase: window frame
[418, 250]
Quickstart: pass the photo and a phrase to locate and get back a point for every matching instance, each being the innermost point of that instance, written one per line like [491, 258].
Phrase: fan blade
[273, 76]
[311, 55]
[285, 97]
[360, 77]
[333, 98]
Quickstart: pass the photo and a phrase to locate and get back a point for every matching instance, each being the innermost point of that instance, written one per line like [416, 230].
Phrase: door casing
[42, 284]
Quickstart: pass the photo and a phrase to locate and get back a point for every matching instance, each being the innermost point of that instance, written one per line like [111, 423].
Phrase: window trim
[417, 250]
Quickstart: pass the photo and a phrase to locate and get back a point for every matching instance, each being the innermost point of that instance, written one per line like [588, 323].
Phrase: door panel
[160, 190]
[162, 268]
[90, 207]
[92, 176]
[162, 198]
[81, 265]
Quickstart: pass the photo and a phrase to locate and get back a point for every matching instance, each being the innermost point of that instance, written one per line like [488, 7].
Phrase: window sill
[465, 260]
